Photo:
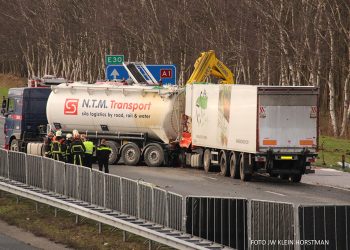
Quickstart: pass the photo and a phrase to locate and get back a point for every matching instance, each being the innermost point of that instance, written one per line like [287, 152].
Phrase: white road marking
[330, 170]
[212, 178]
[275, 193]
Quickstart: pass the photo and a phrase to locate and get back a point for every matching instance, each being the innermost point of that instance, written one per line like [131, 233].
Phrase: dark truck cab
[25, 117]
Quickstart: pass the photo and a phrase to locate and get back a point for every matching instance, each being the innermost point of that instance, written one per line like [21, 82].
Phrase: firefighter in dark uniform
[102, 155]
[77, 150]
[57, 151]
[47, 144]
[68, 145]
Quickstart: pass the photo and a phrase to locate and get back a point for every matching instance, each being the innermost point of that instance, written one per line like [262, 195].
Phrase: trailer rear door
[288, 119]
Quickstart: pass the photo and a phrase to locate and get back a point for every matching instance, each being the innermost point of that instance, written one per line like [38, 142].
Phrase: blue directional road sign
[166, 73]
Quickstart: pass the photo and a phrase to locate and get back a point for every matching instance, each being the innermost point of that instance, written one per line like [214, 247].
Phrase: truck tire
[284, 176]
[131, 154]
[243, 168]
[14, 146]
[154, 155]
[207, 161]
[234, 166]
[224, 164]
[114, 156]
[296, 177]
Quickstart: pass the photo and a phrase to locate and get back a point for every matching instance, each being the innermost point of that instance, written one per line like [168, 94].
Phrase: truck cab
[25, 117]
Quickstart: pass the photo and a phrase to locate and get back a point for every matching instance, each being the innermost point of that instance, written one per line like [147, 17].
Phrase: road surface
[187, 181]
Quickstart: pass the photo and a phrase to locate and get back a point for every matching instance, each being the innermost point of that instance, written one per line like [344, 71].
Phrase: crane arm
[207, 64]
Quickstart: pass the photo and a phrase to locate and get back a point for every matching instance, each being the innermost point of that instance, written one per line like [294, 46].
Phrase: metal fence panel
[35, 171]
[48, 174]
[71, 180]
[98, 188]
[272, 222]
[160, 203]
[328, 225]
[129, 197]
[146, 201]
[4, 164]
[84, 183]
[17, 166]
[60, 177]
[222, 220]
[175, 203]
[113, 192]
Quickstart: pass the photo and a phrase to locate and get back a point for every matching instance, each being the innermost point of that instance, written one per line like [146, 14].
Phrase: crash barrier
[222, 220]
[138, 199]
[271, 221]
[4, 166]
[327, 226]
[234, 222]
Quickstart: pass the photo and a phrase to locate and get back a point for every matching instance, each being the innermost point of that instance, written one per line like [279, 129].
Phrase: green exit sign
[114, 59]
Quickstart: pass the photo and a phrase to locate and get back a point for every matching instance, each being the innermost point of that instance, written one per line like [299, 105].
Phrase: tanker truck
[138, 121]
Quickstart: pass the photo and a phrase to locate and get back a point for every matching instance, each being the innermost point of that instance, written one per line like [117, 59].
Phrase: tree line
[272, 42]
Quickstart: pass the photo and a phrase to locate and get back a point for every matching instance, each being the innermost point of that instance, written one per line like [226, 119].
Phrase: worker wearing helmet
[89, 150]
[68, 144]
[47, 144]
[77, 150]
[57, 150]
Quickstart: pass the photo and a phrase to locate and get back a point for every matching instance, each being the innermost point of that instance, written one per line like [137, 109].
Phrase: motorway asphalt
[314, 188]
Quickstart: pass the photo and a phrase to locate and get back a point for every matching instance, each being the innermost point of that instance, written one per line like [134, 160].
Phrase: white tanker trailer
[136, 120]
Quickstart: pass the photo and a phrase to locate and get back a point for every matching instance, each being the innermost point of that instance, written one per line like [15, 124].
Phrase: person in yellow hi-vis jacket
[77, 150]
[89, 151]
[102, 154]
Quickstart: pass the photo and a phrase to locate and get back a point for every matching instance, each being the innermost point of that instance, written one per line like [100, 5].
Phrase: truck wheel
[14, 145]
[234, 166]
[207, 161]
[224, 164]
[284, 176]
[154, 156]
[296, 177]
[243, 166]
[131, 154]
[114, 156]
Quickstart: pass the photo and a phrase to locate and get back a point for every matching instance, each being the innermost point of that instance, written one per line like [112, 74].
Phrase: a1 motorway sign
[114, 59]
[166, 73]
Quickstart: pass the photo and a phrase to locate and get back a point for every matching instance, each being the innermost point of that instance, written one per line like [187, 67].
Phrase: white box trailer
[246, 128]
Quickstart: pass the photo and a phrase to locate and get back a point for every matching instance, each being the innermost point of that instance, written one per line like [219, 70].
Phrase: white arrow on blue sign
[166, 73]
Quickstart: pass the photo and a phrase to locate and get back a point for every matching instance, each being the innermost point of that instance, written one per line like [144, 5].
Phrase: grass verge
[62, 229]
[331, 150]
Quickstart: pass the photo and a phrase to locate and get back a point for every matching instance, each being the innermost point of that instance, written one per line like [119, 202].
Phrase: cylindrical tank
[111, 109]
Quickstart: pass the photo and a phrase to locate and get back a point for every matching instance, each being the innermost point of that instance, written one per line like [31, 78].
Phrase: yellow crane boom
[207, 64]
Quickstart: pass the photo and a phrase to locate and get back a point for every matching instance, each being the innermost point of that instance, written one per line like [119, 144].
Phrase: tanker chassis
[246, 129]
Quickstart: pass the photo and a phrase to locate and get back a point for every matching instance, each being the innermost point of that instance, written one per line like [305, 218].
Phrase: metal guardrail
[138, 199]
[222, 220]
[233, 222]
[330, 224]
[271, 221]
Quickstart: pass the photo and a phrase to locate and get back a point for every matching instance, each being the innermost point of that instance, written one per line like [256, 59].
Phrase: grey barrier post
[55, 177]
[104, 190]
[77, 181]
[249, 221]
[296, 226]
[26, 168]
[121, 197]
[8, 166]
[138, 199]
[91, 188]
[153, 212]
[166, 209]
[42, 174]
